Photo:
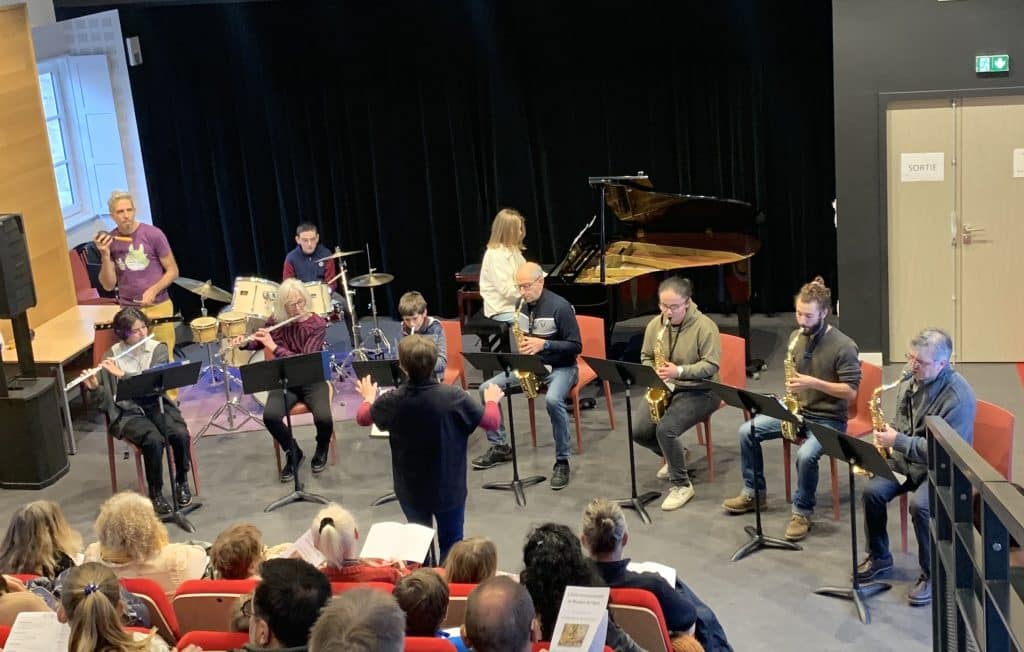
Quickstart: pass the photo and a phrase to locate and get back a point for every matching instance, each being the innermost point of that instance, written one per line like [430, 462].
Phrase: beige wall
[40, 12]
[27, 185]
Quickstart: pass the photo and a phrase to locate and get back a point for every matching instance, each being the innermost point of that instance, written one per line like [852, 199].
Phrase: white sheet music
[397, 542]
[37, 631]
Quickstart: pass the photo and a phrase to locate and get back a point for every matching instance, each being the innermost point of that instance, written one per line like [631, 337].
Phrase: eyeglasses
[527, 286]
[295, 304]
[914, 360]
[247, 608]
[672, 307]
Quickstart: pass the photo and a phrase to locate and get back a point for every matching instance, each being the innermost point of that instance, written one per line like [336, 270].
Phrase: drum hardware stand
[382, 347]
[231, 404]
[211, 369]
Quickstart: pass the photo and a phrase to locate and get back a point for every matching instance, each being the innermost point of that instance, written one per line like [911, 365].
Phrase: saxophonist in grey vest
[933, 388]
[683, 346]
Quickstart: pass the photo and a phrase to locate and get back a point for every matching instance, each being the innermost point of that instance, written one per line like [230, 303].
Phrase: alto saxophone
[791, 431]
[527, 379]
[878, 418]
[657, 397]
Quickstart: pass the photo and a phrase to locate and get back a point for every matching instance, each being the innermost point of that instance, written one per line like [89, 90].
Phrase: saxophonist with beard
[824, 379]
[683, 346]
[933, 388]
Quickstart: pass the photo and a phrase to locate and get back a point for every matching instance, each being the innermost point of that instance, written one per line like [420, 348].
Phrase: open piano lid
[633, 200]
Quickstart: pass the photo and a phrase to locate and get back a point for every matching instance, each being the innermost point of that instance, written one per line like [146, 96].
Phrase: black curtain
[407, 125]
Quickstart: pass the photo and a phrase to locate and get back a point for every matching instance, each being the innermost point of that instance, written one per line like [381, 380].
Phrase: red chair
[103, 340]
[456, 367]
[214, 641]
[732, 370]
[427, 644]
[993, 440]
[858, 424]
[24, 578]
[639, 614]
[457, 596]
[161, 613]
[85, 293]
[207, 605]
[337, 588]
[541, 646]
[300, 408]
[5, 631]
[592, 336]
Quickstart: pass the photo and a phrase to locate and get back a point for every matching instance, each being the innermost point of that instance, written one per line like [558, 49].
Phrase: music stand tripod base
[858, 595]
[758, 540]
[639, 504]
[516, 486]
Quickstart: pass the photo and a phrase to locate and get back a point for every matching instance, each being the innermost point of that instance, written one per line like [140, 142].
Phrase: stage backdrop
[407, 125]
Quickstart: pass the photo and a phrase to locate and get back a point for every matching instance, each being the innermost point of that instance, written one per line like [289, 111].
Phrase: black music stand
[630, 374]
[386, 373]
[152, 383]
[509, 362]
[853, 451]
[283, 373]
[756, 404]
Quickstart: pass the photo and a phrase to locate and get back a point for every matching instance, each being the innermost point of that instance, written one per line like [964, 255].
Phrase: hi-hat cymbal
[339, 254]
[371, 280]
[205, 289]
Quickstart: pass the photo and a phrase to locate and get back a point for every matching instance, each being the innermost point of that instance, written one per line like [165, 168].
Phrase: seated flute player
[293, 330]
[141, 421]
[429, 425]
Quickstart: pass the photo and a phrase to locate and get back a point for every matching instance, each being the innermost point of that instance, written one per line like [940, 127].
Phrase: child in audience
[133, 543]
[423, 596]
[39, 541]
[415, 321]
[237, 553]
[334, 535]
[91, 604]
[471, 561]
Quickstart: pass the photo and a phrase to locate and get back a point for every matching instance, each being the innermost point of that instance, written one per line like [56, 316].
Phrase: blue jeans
[709, 632]
[875, 497]
[560, 381]
[449, 525]
[807, 456]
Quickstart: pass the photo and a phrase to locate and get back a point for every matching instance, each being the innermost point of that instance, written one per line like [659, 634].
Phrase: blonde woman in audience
[91, 605]
[503, 257]
[132, 542]
[471, 561]
[15, 598]
[237, 553]
[39, 541]
[335, 534]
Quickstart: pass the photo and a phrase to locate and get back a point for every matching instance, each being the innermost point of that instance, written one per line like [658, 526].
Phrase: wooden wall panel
[27, 185]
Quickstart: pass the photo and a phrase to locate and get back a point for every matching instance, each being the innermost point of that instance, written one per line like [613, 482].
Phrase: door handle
[967, 233]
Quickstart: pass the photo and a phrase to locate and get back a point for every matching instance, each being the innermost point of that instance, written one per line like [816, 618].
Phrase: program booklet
[582, 620]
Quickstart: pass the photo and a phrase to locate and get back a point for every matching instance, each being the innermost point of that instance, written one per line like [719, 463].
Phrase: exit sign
[992, 63]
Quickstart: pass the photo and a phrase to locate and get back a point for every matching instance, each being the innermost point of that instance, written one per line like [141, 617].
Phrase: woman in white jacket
[503, 257]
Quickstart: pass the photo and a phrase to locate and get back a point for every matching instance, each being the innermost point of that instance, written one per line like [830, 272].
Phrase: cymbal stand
[211, 369]
[231, 403]
[344, 368]
[382, 348]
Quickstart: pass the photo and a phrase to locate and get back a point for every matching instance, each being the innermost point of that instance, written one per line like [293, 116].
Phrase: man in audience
[423, 596]
[360, 620]
[499, 617]
[285, 605]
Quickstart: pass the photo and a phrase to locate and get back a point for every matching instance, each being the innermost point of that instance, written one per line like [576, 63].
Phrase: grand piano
[613, 267]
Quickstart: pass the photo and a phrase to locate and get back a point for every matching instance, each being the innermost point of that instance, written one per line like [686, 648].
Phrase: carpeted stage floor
[766, 601]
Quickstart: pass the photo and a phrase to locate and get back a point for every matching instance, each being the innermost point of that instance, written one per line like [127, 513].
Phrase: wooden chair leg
[608, 401]
[277, 454]
[195, 467]
[112, 462]
[787, 463]
[334, 449]
[904, 506]
[533, 422]
[708, 448]
[143, 487]
[462, 379]
[576, 412]
[835, 489]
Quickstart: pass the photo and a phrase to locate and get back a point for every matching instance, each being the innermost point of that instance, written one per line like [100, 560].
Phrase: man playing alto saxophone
[549, 330]
[825, 380]
[685, 342]
[934, 388]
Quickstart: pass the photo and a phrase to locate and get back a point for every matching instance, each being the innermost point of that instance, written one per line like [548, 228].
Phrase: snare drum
[204, 330]
[232, 323]
[254, 296]
[319, 298]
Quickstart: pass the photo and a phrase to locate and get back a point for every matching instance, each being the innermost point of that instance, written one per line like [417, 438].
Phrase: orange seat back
[993, 437]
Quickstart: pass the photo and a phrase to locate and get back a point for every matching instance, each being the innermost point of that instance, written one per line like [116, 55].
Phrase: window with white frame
[59, 127]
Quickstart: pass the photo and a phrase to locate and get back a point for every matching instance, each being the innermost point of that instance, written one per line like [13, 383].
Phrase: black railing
[977, 593]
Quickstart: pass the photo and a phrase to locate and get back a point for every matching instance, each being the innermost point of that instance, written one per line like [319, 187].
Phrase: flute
[250, 338]
[89, 373]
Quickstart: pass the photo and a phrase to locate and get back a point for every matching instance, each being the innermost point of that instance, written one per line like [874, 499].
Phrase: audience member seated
[471, 561]
[237, 553]
[553, 560]
[91, 604]
[423, 596]
[499, 617]
[604, 534]
[334, 535]
[132, 542]
[286, 603]
[39, 541]
[360, 620]
[15, 598]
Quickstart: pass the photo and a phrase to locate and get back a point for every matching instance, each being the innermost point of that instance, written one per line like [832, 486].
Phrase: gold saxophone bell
[657, 397]
[527, 379]
[878, 419]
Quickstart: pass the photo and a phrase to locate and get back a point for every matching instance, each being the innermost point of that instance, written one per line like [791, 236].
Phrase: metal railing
[977, 595]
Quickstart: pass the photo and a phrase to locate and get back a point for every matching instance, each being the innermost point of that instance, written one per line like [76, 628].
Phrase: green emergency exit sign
[992, 63]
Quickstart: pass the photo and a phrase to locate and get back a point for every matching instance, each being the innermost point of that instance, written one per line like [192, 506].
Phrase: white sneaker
[663, 472]
[677, 497]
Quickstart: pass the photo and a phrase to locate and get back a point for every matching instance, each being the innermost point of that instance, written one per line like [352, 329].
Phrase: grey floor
[766, 601]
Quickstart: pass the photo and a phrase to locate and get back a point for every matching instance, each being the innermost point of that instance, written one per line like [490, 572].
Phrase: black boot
[319, 462]
[291, 467]
[160, 504]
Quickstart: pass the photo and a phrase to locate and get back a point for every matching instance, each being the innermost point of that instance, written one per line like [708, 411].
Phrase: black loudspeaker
[17, 291]
[32, 435]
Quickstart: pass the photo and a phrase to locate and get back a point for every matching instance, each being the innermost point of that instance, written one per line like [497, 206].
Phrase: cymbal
[339, 254]
[205, 289]
[371, 280]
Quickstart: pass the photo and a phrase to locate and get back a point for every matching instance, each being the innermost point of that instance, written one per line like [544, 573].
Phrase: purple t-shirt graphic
[138, 263]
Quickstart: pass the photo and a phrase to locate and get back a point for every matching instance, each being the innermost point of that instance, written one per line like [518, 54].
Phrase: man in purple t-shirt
[137, 259]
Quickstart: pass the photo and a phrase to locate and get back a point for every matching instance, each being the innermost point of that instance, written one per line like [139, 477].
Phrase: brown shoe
[798, 528]
[742, 504]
